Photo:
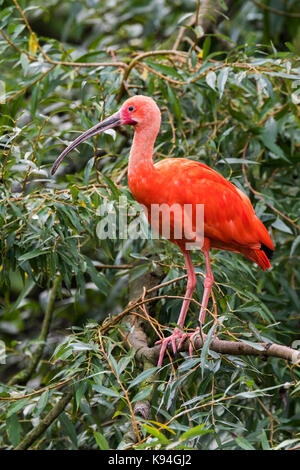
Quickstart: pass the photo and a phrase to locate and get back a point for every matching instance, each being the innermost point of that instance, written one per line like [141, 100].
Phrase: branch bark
[228, 347]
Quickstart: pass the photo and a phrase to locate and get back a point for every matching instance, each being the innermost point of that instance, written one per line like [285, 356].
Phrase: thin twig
[37, 392]
[137, 59]
[275, 11]
[25, 88]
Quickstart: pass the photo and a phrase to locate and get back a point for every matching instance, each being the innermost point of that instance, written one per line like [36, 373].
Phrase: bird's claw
[177, 334]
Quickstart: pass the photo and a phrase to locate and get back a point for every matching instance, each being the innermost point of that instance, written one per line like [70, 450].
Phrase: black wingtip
[267, 251]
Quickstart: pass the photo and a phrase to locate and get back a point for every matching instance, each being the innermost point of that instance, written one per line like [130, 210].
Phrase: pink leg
[208, 283]
[191, 284]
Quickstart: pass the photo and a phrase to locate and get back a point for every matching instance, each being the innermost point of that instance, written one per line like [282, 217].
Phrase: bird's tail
[260, 257]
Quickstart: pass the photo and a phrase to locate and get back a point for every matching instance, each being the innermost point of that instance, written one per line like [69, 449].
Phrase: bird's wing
[229, 217]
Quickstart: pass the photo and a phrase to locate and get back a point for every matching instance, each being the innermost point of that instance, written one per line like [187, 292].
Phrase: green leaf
[15, 407]
[244, 444]
[274, 148]
[194, 432]
[143, 376]
[80, 390]
[13, 429]
[156, 433]
[101, 441]
[115, 191]
[32, 254]
[295, 245]
[240, 161]
[24, 62]
[34, 99]
[165, 70]
[199, 31]
[223, 5]
[222, 79]
[211, 79]
[257, 346]
[143, 394]
[287, 443]
[280, 225]
[206, 47]
[174, 103]
[106, 391]
[264, 441]
[69, 428]
[139, 270]
[87, 170]
[43, 400]
[205, 348]
[24, 292]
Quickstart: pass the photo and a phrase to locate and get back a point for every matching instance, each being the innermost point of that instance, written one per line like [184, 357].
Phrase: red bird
[230, 222]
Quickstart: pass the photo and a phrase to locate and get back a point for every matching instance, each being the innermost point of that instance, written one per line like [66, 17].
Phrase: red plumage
[230, 222]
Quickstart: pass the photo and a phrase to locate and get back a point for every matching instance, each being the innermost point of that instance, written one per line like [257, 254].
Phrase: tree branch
[24, 375]
[46, 422]
[234, 348]
[138, 339]
[137, 59]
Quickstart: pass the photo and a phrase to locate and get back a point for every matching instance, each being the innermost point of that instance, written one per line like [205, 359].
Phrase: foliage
[230, 98]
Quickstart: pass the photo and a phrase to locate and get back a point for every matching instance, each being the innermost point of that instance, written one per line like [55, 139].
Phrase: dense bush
[229, 94]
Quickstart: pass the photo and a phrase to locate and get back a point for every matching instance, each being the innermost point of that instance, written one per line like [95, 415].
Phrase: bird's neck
[141, 153]
[142, 174]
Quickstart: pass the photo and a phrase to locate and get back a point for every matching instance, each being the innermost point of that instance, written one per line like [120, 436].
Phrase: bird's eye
[130, 108]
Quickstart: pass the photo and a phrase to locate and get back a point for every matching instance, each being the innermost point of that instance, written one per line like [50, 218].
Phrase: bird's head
[139, 111]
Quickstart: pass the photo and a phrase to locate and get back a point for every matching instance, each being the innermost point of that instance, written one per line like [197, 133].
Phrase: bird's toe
[177, 334]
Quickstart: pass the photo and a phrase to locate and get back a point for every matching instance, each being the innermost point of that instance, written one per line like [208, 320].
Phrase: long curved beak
[112, 121]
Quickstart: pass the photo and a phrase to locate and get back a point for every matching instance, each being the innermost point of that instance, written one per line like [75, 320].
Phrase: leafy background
[229, 91]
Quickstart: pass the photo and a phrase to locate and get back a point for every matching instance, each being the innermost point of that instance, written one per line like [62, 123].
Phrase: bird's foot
[177, 334]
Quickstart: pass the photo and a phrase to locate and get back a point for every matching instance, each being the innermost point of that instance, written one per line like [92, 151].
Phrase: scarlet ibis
[230, 222]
